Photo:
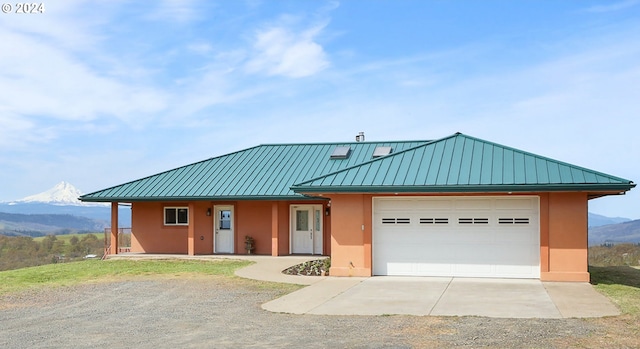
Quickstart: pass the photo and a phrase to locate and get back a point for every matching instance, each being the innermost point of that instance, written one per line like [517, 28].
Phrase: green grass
[66, 274]
[621, 284]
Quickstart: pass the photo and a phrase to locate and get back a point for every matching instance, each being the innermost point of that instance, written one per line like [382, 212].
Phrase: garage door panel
[515, 204]
[513, 237]
[476, 204]
[496, 238]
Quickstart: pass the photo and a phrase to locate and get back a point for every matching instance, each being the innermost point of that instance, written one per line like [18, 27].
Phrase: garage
[477, 236]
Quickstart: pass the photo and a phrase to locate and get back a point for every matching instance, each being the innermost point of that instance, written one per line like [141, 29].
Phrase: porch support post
[113, 249]
[192, 229]
[274, 229]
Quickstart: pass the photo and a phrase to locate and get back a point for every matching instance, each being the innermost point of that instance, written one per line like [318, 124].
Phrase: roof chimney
[360, 137]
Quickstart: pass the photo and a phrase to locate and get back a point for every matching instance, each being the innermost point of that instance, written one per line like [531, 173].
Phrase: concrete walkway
[437, 296]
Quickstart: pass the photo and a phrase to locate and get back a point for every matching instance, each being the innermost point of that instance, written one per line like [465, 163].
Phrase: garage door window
[396, 220]
[434, 220]
[513, 220]
[473, 220]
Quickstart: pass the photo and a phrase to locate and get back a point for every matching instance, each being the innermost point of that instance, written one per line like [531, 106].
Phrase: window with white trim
[176, 216]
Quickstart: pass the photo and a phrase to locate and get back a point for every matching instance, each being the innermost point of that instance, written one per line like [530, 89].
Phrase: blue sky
[97, 93]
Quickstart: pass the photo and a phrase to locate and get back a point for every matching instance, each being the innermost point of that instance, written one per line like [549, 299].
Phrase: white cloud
[282, 51]
[44, 80]
[56, 73]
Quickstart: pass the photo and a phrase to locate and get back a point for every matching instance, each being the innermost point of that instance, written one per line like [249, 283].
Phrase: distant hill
[15, 224]
[94, 212]
[596, 220]
[615, 233]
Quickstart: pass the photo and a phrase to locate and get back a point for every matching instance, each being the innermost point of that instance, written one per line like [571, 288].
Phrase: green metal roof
[460, 163]
[457, 163]
[261, 172]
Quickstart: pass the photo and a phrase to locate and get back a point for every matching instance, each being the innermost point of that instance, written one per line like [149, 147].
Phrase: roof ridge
[349, 142]
[459, 134]
[376, 159]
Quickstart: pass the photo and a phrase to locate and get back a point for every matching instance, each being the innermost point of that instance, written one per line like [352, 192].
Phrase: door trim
[216, 209]
[313, 209]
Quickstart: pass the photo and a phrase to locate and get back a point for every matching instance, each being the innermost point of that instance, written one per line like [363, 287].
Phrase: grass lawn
[66, 274]
[621, 284]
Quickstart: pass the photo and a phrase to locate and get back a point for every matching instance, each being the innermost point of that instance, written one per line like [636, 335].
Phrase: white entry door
[224, 237]
[306, 229]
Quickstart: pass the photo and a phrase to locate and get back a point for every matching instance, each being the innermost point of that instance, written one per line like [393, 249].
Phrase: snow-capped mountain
[62, 193]
[62, 199]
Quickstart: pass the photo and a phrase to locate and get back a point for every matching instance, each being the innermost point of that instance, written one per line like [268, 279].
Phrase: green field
[66, 274]
[68, 237]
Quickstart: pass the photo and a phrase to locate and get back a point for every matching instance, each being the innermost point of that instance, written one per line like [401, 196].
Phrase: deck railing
[124, 241]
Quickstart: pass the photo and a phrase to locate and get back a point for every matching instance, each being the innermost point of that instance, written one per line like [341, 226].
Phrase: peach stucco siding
[351, 235]
[566, 257]
[266, 221]
[563, 235]
[348, 231]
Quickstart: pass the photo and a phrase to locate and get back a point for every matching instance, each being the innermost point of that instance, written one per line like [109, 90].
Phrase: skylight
[381, 151]
[341, 152]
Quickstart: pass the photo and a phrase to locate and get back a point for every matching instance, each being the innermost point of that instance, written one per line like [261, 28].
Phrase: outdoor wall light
[209, 212]
[327, 211]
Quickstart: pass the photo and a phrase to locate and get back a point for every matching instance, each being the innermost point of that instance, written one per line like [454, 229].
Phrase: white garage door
[457, 236]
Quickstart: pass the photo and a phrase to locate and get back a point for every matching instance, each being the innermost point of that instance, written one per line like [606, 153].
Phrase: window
[302, 220]
[176, 216]
[381, 151]
[341, 152]
[434, 220]
[513, 220]
[224, 220]
[473, 220]
[396, 220]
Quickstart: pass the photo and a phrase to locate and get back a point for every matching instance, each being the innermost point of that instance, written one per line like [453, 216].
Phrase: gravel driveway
[219, 312]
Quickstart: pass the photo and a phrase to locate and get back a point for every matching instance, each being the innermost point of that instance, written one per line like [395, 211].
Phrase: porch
[275, 228]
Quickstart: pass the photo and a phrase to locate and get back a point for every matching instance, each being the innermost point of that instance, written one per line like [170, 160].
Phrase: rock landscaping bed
[319, 267]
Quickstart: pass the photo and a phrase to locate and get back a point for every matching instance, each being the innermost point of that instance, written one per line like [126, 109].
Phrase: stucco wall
[150, 235]
[567, 238]
[254, 218]
[563, 235]
[351, 230]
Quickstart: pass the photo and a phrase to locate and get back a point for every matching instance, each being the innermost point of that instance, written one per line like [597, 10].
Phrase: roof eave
[606, 189]
[196, 198]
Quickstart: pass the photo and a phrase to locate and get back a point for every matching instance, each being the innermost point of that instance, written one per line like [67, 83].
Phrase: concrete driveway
[501, 298]
[438, 296]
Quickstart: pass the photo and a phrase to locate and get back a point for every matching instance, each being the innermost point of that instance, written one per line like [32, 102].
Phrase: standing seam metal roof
[457, 163]
[461, 163]
[261, 172]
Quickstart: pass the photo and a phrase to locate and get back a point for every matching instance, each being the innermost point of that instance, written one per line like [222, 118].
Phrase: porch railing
[124, 241]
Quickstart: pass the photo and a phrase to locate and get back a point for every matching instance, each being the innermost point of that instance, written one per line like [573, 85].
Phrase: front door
[224, 237]
[306, 229]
